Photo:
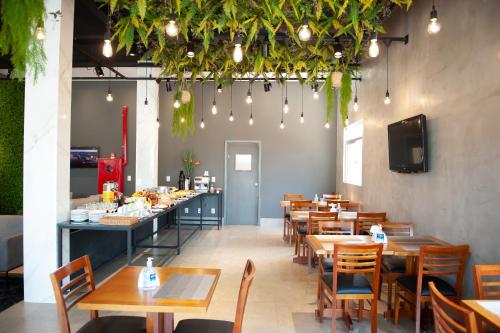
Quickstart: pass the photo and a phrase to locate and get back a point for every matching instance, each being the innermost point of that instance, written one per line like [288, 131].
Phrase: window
[353, 153]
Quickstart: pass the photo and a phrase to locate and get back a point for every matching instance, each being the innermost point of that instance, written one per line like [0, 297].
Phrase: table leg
[159, 322]
[309, 258]
[59, 246]
[129, 246]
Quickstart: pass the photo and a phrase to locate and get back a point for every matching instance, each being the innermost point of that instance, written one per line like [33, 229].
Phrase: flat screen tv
[408, 145]
[84, 157]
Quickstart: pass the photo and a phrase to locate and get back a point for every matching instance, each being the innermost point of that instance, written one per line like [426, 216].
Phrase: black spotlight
[267, 86]
[98, 71]
[168, 86]
[158, 80]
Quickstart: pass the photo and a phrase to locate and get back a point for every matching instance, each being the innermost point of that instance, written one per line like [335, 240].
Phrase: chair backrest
[443, 261]
[350, 206]
[246, 282]
[450, 317]
[397, 228]
[303, 205]
[317, 220]
[365, 220]
[487, 281]
[332, 196]
[69, 294]
[289, 196]
[357, 259]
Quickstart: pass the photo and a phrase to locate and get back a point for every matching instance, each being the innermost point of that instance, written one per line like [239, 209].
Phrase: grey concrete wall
[300, 158]
[95, 122]
[452, 78]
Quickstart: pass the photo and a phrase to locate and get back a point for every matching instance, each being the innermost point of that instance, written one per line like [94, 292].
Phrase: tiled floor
[282, 297]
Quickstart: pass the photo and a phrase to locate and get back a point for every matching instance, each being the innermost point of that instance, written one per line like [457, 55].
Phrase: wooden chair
[332, 196]
[300, 205]
[487, 281]
[434, 262]
[350, 206]
[450, 317]
[75, 290]
[348, 282]
[210, 325]
[365, 220]
[287, 227]
[394, 266]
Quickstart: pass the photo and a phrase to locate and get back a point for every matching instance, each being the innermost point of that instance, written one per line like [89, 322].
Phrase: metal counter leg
[129, 246]
[178, 232]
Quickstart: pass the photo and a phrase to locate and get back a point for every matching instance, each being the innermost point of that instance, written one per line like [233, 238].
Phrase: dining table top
[121, 293]
[488, 310]
[396, 245]
[303, 215]
[321, 203]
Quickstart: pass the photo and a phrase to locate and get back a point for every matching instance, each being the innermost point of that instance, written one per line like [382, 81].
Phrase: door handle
[256, 184]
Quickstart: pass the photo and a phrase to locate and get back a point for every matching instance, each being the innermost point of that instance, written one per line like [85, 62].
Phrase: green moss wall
[11, 146]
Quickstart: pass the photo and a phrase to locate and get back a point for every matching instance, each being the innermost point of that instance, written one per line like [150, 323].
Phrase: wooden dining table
[485, 310]
[286, 203]
[193, 287]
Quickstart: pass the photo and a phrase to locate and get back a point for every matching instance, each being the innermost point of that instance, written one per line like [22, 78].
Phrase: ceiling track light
[434, 26]
[98, 71]
[304, 30]
[190, 50]
[168, 85]
[238, 51]
[172, 29]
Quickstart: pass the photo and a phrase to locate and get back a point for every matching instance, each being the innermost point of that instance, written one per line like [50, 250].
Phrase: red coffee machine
[112, 169]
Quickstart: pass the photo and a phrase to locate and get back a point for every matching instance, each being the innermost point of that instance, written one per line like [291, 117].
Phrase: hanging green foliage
[330, 99]
[183, 117]
[345, 95]
[19, 21]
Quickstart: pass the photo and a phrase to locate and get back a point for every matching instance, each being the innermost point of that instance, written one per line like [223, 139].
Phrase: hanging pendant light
[250, 120]
[214, 104]
[146, 97]
[356, 105]
[315, 90]
[177, 104]
[282, 124]
[249, 94]
[327, 125]
[434, 26]
[219, 88]
[387, 99]
[109, 95]
[157, 122]
[40, 33]
[304, 30]
[286, 108]
[302, 102]
[238, 51]
[202, 123]
[107, 48]
[172, 29]
[231, 117]
[373, 50]
[190, 50]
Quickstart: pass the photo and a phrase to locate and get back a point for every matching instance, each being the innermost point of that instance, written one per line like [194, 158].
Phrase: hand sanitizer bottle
[148, 279]
[315, 198]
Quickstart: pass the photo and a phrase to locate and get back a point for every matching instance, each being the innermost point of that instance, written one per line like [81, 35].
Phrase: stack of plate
[79, 215]
[95, 215]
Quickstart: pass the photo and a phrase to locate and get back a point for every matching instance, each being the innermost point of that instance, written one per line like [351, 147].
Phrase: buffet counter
[84, 235]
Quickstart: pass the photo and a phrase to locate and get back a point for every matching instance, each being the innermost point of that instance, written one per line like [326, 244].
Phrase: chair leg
[397, 301]
[361, 306]
[418, 314]
[334, 315]
[374, 315]
[389, 292]
[321, 303]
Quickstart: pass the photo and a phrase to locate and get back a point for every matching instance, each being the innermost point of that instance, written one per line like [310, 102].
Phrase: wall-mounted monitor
[408, 145]
[84, 157]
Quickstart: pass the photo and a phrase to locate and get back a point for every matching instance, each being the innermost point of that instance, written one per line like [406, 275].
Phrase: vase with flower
[188, 165]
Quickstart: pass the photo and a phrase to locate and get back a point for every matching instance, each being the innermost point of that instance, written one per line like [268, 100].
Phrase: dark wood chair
[450, 317]
[434, 262]
[287, 227]
[352, 262]
[222, 326]
[297, 228]
[69, 294]
[487, 281]
[394, 266]
[365, 220]
[350, 206]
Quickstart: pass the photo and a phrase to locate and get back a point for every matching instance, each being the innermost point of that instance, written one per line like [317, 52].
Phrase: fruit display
[151, 197]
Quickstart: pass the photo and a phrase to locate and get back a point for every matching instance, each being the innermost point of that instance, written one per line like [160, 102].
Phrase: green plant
[11, 146]
[17, 35]
[188, 163]
[345, 95]
[183, 117]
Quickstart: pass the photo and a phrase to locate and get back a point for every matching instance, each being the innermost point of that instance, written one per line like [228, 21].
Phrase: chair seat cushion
[327, 265]
[349, 284]
[114, 324]
[394, 264]
[287, 216]
[303, 230]
[410, 283]
[204, 326]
